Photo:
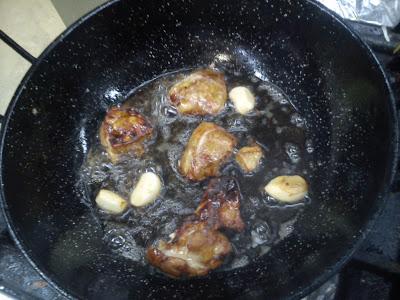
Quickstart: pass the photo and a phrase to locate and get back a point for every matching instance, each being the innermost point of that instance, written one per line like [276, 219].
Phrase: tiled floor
[31, 23]
[12, 69]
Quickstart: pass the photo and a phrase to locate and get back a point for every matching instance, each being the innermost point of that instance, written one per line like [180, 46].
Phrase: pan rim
[391, 163]
[3, 206]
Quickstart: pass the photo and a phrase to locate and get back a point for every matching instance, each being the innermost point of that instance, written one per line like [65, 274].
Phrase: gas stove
[373, 273]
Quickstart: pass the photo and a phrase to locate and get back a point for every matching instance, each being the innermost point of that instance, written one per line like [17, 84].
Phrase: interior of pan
[326, 72]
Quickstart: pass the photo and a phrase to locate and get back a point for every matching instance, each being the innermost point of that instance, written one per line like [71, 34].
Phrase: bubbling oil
[274, 124]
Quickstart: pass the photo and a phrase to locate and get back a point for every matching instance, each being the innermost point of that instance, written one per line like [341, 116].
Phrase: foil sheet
[379, 12]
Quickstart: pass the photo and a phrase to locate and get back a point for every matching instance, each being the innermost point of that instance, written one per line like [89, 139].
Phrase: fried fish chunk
[220, 204]
[195, 250]
[124, 130]
[201, 93]
[208, 148]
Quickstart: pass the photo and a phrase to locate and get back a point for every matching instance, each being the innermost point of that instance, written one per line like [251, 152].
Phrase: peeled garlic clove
[147, 189]
[287, 188]
[242, 99]
[110, 202]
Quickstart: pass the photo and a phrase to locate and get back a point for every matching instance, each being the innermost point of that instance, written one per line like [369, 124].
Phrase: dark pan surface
[329, 75]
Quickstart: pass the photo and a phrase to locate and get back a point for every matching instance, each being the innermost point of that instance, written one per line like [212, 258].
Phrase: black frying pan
[328, 73]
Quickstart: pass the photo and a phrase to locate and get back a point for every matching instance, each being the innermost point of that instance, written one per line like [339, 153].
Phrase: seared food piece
[201, 93]
[195, 250]
[220, 205]
[287, 188]
[208, 148]
[124, 130]
[249, 158]
[197, 247]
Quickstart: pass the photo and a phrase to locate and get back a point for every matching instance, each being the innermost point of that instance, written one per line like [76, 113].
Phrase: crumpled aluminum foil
[379, 12]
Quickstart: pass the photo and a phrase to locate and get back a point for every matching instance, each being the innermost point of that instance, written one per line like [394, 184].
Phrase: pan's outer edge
[391, 163]
[4, 126]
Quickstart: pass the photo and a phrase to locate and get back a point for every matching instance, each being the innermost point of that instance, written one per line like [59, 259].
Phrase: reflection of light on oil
[253, 63]
[83, 140]
[112, 94]
[260, 75]
[222, 57]
[242, 51]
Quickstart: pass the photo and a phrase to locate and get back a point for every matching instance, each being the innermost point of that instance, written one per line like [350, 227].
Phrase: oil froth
[274, 124]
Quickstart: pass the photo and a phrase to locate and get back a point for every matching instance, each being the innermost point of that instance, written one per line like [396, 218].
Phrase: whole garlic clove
[147, 190]
[242, 99]
[111, 202]
[287, 188]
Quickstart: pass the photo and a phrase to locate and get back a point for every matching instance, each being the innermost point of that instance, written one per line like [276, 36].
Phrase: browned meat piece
[195, 250]
[124, 130]
[207, 149]
[249, 158]
[197, 246]
[220, 205]
[201, 93]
